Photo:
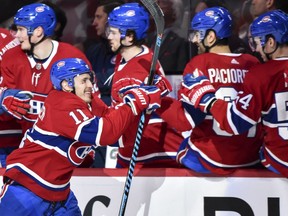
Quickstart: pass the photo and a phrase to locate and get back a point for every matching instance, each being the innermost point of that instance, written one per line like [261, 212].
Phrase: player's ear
[270, 3]
[271, 42]
[39, 31]
[211, 37]
[66, 87]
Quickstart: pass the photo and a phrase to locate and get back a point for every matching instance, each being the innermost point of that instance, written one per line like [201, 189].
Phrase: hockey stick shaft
[158, 17]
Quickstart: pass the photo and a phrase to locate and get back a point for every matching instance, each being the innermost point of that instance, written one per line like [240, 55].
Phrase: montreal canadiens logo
[130, 13]
[77, 152]
[266, 19]
[209, 13]
[39, 9]
[61, 64]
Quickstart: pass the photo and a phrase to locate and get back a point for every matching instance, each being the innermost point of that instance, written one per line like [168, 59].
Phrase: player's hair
[130, 16]
[108, 6]
[214, 3]
[272, 23]
[217, 19]
[67, 69]
[34, 15]
[60, 17]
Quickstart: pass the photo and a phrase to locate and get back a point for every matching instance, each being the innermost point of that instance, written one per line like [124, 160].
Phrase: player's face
[83, 87]
[100, 20]
[114, 37]
[23, 37]
[259, 7]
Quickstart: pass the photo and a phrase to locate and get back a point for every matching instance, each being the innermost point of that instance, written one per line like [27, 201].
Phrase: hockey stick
[158, 18]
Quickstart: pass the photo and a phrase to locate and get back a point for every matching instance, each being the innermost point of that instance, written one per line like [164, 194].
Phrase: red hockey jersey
[22, 72]
[264, 97]
[50, 151]
[159, 142]
[216, 148]
[10, 131]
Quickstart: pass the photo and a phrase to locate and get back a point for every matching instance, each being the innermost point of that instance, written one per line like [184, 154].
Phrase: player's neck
[43, 50]
[220, 49]
[281, 52]
[130, 52]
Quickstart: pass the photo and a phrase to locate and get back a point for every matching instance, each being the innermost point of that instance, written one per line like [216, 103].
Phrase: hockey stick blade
[158, 18]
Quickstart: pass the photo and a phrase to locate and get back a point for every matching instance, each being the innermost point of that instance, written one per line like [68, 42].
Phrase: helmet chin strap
[208, 48]
[121, 46]
[33, 45]
[268, 55]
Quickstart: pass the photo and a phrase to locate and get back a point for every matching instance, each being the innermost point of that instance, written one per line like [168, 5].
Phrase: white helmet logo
[266, 19]
[130, 13]
[61, 64]
[209, 13]
[39, 9]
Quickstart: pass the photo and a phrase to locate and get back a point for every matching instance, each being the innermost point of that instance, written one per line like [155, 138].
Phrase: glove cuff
[210, 103]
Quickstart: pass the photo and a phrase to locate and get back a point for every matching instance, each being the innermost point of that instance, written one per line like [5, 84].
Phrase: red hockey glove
[145, 97]
[15, 102]
[162, 83]
[125, 84]
[197, 90]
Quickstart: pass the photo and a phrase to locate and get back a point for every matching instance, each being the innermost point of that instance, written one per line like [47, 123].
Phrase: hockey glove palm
[162, 83]
[197, 90]
[145, 97]
[15, 102]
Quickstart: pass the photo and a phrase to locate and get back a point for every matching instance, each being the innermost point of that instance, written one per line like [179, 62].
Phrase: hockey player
[37, 177]
[263, 97]
[128, 25]
[210, 149]
[103, 62]
[9, 140]
[27, 66]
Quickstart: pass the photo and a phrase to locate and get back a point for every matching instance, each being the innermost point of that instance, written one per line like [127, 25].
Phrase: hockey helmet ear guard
[67, 69]
[217, 19]
[34, 15]
[272, 23]
[130, 16]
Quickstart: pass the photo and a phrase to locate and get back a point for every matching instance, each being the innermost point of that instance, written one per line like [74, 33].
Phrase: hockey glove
[15, 102]
[162, 83]
[125, 84]
[145, 97]
[197, 90]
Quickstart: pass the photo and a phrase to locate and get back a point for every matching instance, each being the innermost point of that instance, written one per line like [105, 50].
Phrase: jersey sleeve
[99, 108]
[186, 117]
[73, 119]
[7, 74]
[241, 114]
[196, 62]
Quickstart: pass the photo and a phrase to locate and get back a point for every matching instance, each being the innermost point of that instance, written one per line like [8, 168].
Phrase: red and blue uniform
[58, 136]
[210, 149]
[263, 98]
[159, 142]
[10, 131]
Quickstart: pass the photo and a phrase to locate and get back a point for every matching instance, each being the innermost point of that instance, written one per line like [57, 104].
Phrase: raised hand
[125, 84]
[144, 97]
[197, 90]
[162, 83]
[15, 102]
